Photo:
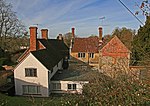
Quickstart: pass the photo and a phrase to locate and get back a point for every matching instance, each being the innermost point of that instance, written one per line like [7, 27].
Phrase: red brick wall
[44, 33]
[33, 38]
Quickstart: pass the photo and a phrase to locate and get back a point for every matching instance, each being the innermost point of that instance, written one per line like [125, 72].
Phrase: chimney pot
[60, 37]
[33, 38]
[44, 33]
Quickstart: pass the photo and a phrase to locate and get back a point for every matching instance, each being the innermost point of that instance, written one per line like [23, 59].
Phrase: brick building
[86, 49]
[114, 55]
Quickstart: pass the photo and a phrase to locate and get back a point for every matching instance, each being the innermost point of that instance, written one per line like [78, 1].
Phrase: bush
[122, 90]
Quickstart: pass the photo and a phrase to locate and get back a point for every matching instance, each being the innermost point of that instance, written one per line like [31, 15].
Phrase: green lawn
[55, 100]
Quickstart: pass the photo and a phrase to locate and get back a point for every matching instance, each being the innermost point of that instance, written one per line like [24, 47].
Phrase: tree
[125, 35]
[144, 7]
[141, 45]
[10, 25]
[67, 38]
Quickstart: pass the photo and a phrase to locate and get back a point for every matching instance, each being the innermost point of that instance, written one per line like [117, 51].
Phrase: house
[86, 49]
[114, 55]
[34, 74]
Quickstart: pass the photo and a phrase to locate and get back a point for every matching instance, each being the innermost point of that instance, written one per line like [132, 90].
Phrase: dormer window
[30, 72]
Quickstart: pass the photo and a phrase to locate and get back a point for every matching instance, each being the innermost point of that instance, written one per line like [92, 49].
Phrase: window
[31, 89]
[30, 72]
[72, 86]
[81, 55]
[91, 55]
[56, 86]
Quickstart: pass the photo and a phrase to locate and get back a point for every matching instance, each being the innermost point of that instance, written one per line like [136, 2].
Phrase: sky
[59, 16]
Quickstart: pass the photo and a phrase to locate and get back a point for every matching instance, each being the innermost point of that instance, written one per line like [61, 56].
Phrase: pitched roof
[114, 47]
[47, 57]
[56, 44]
[89, 44]
[53, 53]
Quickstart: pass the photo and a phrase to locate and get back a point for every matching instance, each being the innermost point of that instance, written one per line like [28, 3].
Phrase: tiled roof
[54, 52]
[115, 48]
[56, 44]
[77, 71]
[90, 44]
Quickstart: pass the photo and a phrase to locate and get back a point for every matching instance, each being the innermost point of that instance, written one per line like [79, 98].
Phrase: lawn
[54, 100]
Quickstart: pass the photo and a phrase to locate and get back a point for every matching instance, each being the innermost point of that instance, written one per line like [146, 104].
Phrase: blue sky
[59, 16]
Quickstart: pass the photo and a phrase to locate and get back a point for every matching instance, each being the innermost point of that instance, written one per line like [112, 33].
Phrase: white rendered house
[34, 74]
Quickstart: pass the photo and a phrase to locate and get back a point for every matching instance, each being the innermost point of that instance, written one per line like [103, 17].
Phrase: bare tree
[10, 25]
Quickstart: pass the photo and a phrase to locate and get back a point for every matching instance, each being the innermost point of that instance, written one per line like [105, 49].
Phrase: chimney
[100, 34]
[73, 33]
[33, 38]
[60, 37]
[44, 33]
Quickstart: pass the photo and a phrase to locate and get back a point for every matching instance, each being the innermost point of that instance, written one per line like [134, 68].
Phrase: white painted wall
[42, 76]
[64, 86]
[55, 68]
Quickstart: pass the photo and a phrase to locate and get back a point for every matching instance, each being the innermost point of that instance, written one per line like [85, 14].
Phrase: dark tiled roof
[77, 71]
[53, 53]
[47, 57]
[56, 44]
[89, 44]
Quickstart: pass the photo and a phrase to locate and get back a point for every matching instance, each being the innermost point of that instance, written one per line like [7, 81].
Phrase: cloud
[60, 15]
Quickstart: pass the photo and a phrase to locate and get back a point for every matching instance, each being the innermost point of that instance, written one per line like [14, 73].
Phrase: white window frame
[56, 86]
[30, 72]
[72, 86]
[91, 55]
[81, 55]
[31, 89]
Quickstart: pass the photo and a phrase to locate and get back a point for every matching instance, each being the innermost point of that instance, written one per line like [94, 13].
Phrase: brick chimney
[33, 38]
[73, 33]
[44, 33]
[100, 34]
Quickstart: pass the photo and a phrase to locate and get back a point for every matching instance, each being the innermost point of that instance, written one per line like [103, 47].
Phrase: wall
[92, 61]
[64, 87]
[42, 78]
[50, 75]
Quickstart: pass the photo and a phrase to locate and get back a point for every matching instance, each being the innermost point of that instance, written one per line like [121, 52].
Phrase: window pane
[56, 86]
[32, 90]
[83, 54]
[69, 86]
[25, 89]
[30, 72]
[78, 54]
[74, 86]
[35, 72]
[38, 90]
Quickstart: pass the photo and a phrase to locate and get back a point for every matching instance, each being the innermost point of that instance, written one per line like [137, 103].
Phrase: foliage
[125, 35]
[144, 7]
[122, 90]
[10, 25]
[141, 45]
[53, 100]
[67, 38]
